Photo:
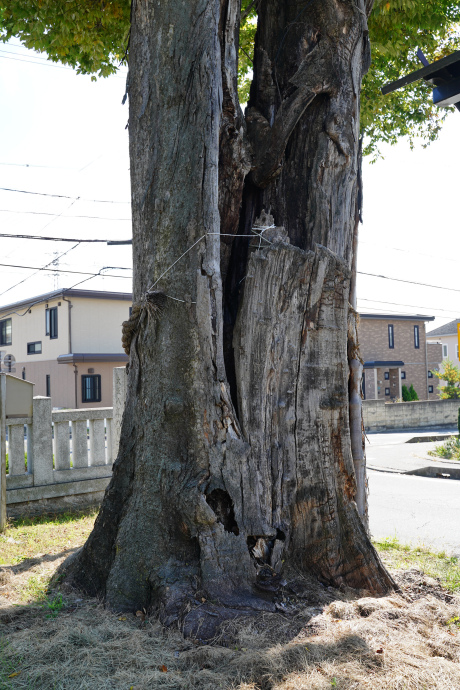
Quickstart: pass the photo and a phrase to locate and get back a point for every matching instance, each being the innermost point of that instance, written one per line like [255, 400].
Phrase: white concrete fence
[64, 458]
[382, 416]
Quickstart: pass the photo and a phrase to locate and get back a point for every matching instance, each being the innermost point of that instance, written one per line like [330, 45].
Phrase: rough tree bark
[235, 453]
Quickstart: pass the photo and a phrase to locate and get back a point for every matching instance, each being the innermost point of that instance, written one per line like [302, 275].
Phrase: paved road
[392, 452]
[415, 509]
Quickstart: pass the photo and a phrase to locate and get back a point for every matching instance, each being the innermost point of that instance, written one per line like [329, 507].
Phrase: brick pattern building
[395, 352]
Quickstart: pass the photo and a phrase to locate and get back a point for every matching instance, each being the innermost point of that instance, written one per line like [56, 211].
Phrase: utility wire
[44, 63]
[61, 270]
[411, 282]
[54, 239]
[398, 304]
[63, 291]
[405, 251]
[37, 269]
[63, 196]
[44, 213]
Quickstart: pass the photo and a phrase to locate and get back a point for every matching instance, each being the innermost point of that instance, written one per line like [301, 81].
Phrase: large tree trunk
[235, 453]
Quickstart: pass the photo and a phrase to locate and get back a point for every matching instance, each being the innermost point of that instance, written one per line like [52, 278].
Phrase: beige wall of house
[375, 346]
[63, 384]
[96, 324]
[28, 325]
[89, 343]
[449, 345]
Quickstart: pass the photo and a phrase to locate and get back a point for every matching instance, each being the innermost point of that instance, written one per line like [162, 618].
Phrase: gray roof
[70, 292]
[397, 317]
[448, 329]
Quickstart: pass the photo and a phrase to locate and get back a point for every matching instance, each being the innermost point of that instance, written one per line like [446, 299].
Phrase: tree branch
[315, 75]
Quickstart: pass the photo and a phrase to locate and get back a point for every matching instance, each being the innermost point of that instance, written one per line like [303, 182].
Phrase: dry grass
[408, 640]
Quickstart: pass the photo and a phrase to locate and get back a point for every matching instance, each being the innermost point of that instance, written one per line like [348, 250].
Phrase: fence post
[120, 384]
[42, 441]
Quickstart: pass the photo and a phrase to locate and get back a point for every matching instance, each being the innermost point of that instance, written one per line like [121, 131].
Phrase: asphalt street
[416, 509]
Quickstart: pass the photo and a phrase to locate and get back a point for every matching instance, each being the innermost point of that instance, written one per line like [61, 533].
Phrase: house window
[48, 386]
[403, 374]
[34, 348]
[51, 320]
[387, 376]
[416, 337]
[387, 391]
[444, 351]
[5, 332]
[391, 336]
[91, 388]
[23, 373]
[430, 374]
[430, 389]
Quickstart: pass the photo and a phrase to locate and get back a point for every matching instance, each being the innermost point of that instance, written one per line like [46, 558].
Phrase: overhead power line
[411, 282]
[61, 270]
[44, 62]
[44, 213]
[64, 290]
[63, 196]
[52, 239]
[43, 268]
[398, 304]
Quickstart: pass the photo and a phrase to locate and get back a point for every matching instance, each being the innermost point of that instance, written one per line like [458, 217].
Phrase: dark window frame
[34, 352]
[430, 389]
[91, 393]
[403, 375]
[391, 336]
[51, 322]
[386, 375]
[430, 375]
[387, 391]
[417, 337]
[48, 385]
[5, 342]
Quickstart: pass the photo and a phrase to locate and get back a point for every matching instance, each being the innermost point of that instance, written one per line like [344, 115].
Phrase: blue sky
[71, 134]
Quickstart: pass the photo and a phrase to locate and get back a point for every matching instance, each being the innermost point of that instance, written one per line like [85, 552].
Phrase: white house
[67, 343]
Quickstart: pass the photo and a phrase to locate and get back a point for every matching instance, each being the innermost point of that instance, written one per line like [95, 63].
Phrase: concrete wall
[62, 471]
[379, 415]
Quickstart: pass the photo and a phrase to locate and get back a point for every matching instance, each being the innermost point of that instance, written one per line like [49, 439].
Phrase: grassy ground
[59, 640]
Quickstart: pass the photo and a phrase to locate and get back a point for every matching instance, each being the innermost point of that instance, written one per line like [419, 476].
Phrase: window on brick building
[430, 374]
[387, 391]
[387, 376]
[416, 337]
[430, 389]
[391, 336]
[403, 374]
